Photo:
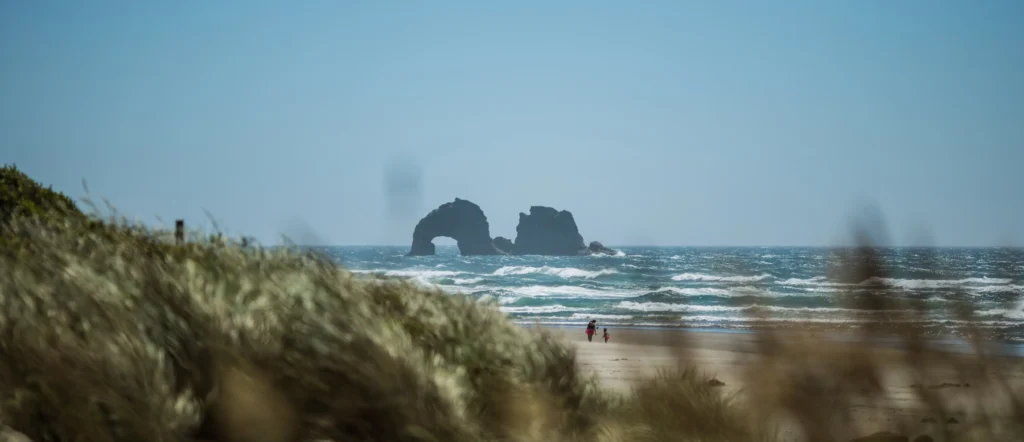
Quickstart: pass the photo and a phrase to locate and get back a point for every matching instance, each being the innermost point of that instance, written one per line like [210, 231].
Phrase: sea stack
[544, 231]
[460, 220]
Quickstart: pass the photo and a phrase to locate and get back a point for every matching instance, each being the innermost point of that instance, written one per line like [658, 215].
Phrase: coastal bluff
[543, 231]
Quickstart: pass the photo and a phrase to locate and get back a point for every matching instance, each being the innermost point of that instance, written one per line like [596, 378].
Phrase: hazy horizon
[658, 123]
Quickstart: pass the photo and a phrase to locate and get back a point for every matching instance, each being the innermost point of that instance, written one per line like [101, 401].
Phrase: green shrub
[20, 196]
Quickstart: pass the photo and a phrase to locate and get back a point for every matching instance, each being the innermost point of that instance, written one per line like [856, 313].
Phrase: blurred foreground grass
[110, 332]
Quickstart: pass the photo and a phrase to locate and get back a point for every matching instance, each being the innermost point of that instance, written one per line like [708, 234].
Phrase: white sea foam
[666, 307]
[912, 284]
[599, 316]
[557, 308]
[420, 273]
[715, 278]
[562, 272]
[694, 291]
[571, 291]
[1009, 288]
[731, 292]
[466, 281]
[1005, 313]
[1016, 312]
[817, 280]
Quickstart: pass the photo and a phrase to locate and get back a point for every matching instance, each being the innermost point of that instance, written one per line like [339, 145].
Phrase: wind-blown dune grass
[110, 331]
[113, 333]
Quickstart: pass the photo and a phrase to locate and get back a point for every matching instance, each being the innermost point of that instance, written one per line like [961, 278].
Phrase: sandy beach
[971, 392]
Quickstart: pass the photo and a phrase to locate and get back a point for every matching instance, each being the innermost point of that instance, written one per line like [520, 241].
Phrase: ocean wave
[412, 273]
[1016, 312]
[715, 278]
[465, 281]
[599, 316]
[934, 283]
[693, 291]
[562, 272]
[817, 280]
[573, 291]
[1005, 313]
[1009, 288]
[557, 308]
[731, 292]
[667, 307]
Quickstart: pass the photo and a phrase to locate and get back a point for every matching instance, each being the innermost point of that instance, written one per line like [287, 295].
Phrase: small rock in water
[952, 421]
[715, 383]
[883, 436]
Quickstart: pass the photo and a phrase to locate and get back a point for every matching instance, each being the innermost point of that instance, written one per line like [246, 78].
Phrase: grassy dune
[110, 332]
[120, 336]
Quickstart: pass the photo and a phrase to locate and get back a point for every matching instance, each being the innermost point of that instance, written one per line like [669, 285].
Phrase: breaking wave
[561, 272]
[715, 278]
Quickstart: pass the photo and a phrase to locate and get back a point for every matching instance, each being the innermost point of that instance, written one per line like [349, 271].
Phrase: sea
[948, 291]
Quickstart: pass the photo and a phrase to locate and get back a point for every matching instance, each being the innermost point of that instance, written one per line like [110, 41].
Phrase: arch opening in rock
[460, 220]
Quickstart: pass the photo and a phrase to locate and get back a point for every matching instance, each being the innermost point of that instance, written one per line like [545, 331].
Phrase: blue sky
[658, 122]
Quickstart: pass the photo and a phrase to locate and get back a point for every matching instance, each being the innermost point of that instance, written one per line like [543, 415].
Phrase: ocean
[726, 288]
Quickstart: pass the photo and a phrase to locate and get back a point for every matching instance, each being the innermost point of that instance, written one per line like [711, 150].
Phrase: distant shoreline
[999, 348]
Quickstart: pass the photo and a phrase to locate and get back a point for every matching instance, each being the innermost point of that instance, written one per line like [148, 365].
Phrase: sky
[654, 123]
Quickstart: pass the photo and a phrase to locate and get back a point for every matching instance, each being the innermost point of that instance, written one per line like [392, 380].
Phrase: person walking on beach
[591, 329]
[606, 336]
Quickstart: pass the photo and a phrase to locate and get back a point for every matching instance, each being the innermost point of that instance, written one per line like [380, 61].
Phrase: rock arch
[460, 220]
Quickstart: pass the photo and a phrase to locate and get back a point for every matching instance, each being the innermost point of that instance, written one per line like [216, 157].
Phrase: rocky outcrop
[596, 248]
[460, 220]
[545, 231]
[503, 244]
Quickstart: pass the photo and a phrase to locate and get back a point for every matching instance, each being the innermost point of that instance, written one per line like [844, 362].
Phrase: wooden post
[179, 231]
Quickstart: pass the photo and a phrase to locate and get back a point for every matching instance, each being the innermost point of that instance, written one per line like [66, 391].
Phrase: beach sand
[737, 359]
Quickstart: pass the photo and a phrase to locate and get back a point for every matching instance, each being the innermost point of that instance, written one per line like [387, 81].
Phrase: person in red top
[606, 336]
[591, 329]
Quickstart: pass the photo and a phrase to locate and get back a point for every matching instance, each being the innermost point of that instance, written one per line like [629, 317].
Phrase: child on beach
[606, 336]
